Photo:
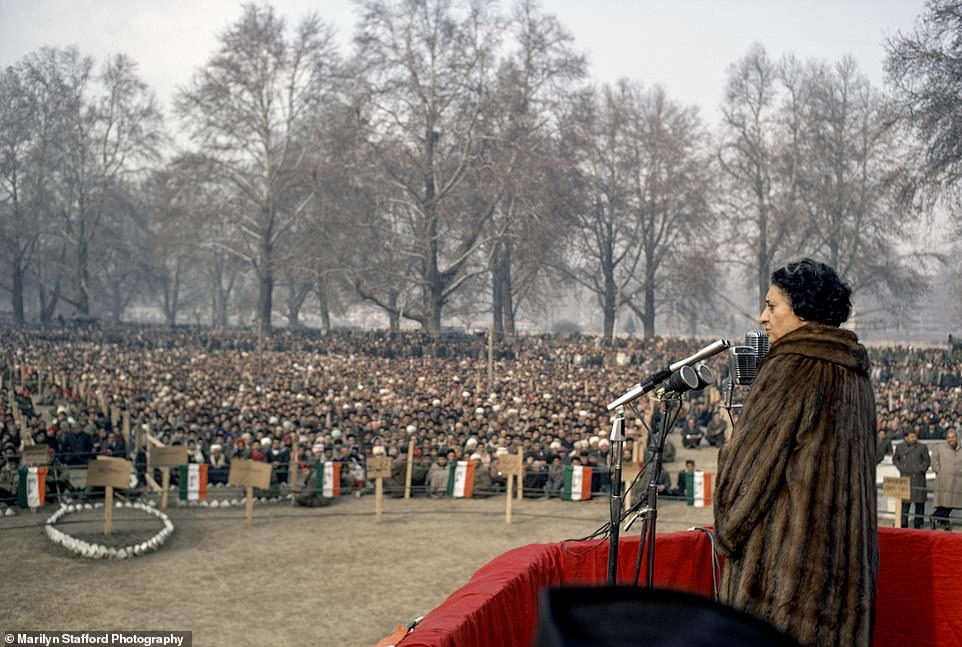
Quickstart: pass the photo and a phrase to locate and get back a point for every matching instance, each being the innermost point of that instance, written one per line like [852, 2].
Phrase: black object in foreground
[623, 616]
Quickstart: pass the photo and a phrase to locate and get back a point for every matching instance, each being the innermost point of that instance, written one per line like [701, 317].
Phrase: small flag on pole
[577, 483]
[698, 488]
[193, 482]
[461, 479]
[327, 479]
[32, 487]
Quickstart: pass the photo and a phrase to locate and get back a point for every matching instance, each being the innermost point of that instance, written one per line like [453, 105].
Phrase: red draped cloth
[919, 588]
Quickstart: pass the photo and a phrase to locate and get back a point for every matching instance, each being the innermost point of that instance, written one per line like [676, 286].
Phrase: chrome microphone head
[742, 365]
[684, 379]
[758, 340]
[705, 377]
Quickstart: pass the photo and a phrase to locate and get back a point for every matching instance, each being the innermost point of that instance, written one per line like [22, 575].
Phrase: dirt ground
[296, 576]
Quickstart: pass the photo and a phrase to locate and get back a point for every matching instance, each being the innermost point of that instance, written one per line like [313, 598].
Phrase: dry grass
[296, 576]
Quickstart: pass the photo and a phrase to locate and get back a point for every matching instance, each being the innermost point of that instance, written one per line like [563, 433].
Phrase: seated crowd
[344, 397]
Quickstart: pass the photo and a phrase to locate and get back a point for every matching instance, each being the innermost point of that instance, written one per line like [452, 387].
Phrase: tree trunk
[608, 307]
[497, 290]
[648, 320]
[265, 289]
[220, 315]
[116, 302]
[432, 319]
[393, 316]
[83, 278]
[16, 295]
[508, 291]
[48, 307]
[295, 301]
[434, 290]
[220, 296]
[325, 306]
[502, 305]
[172, 297]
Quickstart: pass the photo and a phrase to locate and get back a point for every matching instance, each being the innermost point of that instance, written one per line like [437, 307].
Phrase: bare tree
[426, 67]
[925, 69]
[645, 173]
[760, 157]
[853, 162]
[603, 253]
[83, 137]
[251, 108]
[537, 71]
[669, 187]
[26, 129]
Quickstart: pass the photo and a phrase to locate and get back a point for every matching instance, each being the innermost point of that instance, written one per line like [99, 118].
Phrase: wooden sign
[168, 456]
[378, 467]
[109, 472]
[36, 455]
[897, 487]
[249, 473]
[510, 464]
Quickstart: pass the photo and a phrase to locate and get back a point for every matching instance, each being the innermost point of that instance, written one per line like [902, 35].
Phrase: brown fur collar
[827, 343]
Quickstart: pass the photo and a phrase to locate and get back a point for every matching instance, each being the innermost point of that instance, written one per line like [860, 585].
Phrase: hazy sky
[686, 45]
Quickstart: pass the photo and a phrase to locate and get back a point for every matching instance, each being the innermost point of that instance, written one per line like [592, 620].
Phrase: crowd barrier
[916, 605]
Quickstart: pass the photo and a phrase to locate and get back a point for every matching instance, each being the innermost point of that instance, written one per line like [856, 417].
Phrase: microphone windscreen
[742, 365]
[758, 340]
[705, 378]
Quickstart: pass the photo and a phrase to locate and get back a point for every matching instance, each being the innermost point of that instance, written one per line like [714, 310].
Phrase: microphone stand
[615, 492]
[649, 513]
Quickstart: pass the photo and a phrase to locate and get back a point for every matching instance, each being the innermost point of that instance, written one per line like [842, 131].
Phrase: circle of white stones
[94, 550]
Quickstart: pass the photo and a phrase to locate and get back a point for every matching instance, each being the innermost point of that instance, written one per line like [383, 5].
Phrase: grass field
[296, 576]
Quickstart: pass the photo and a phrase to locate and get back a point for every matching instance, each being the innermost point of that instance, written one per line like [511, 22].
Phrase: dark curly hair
[815, 290]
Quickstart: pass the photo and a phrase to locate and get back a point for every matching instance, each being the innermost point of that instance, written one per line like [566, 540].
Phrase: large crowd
[300, 398]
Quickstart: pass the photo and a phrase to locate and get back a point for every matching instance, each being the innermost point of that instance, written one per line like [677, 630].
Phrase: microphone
[705, 377]
[758, 340]
[742, 365]
[744, 360]
[708, 351]
[684, 379]
[654, 380]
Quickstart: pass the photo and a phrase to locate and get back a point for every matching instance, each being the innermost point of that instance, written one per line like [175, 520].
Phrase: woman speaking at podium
[795, 499]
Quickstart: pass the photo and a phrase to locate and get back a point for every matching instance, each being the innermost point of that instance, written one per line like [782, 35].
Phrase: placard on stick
[248, 473]
[510, 464]
[35, 455]
[168, 456]
[897, 487]
[901, 489]
[378, 467]
[109, 472]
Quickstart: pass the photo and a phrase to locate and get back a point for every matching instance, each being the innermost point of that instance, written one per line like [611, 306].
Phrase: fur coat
[795, 498]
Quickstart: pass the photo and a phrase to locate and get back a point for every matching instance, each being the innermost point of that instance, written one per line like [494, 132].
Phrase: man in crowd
[437, 478]
[912, 459]
[679, 490]
[947, 465]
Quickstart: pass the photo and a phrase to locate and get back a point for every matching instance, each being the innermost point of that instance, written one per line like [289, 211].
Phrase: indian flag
[698, 486]
[577, 484]
[327, 479]
[461, 479]
[32, 487]
[193, 482]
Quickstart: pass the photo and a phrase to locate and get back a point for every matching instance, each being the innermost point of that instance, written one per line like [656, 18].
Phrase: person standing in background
[912, 460]
[947, 465]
